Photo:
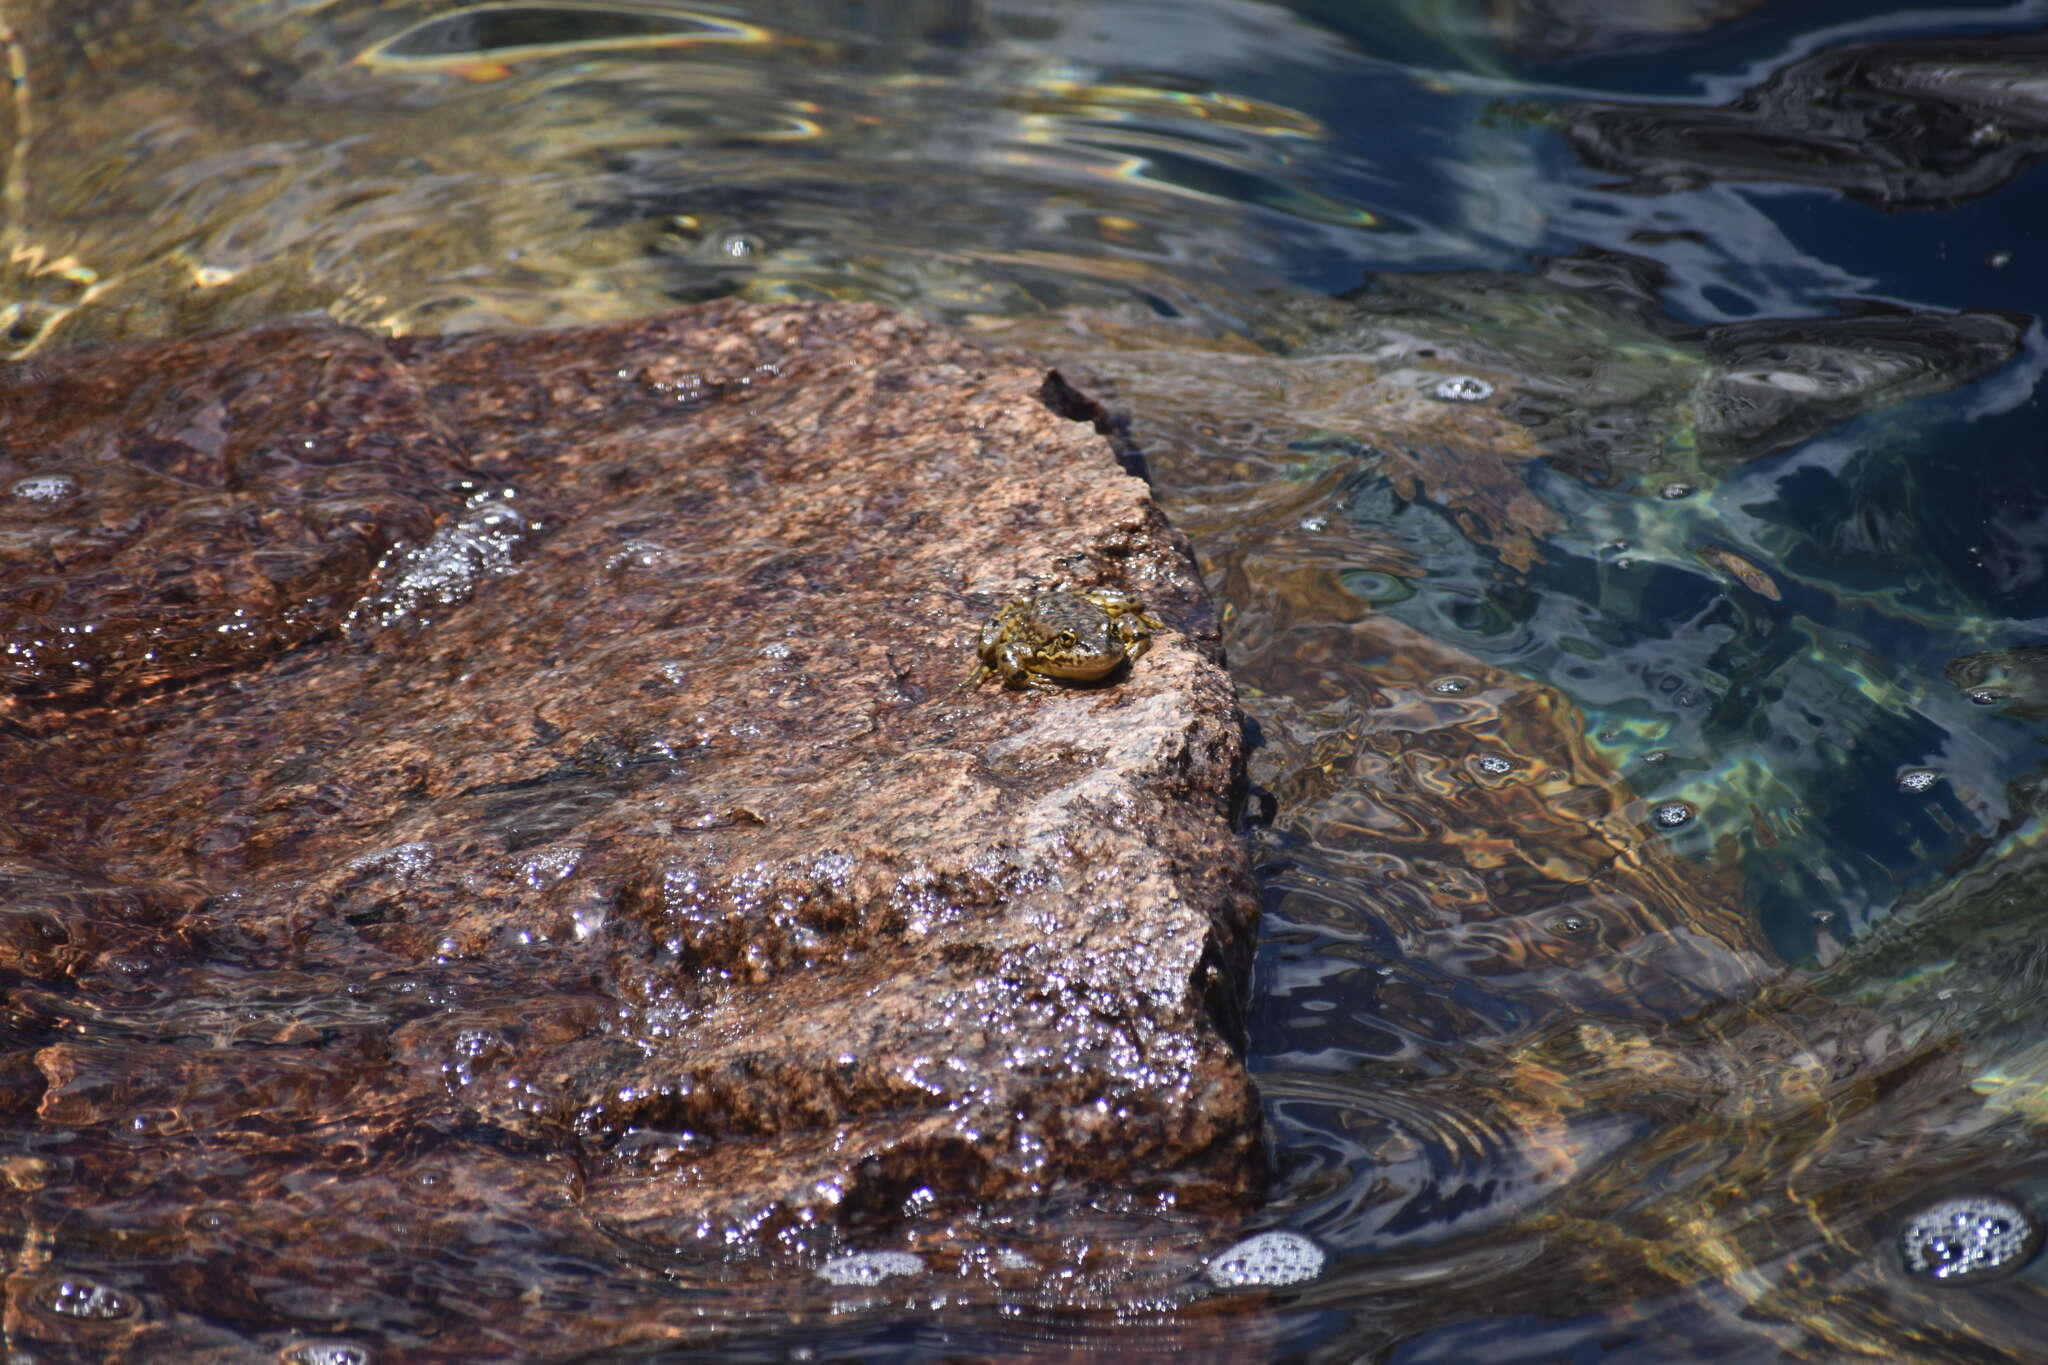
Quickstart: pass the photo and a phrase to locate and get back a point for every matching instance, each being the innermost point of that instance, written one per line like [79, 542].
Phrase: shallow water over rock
[1580, 418]
[676, 867]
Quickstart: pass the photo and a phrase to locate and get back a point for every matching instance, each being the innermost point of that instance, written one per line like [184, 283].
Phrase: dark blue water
[1895, 543]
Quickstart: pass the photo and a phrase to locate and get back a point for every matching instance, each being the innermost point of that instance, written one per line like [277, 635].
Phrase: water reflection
[1638, 598]
[1976, 121]
[953, 158]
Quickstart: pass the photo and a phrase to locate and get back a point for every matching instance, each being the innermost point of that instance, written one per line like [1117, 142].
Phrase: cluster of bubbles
[1495, 764]
[447, 570]
[1462, 388]
[325, 1353]
[74, 1296]
[1672, 814]
[1269, 1258]
[1966, 1236]
[870, 1267]
[1918, 779]
[43, 490]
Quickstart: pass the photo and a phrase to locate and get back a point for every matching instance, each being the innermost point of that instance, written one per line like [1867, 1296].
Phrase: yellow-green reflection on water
[484, 42]
[173, 167]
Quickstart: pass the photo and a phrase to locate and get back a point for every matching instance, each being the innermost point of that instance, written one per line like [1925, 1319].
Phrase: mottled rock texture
[632, 828]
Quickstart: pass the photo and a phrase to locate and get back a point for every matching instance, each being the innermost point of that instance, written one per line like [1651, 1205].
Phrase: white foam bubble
[326, 1353]
[44, 490]
[1270, 1258]
[1463, 388]
[870, 1267]
[1971, 1236]
[407, 862]
[1672, 814]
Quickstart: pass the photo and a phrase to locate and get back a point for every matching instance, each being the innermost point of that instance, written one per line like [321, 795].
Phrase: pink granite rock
[636, 817]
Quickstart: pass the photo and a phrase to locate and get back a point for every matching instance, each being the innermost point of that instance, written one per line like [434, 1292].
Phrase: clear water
[1650, 747]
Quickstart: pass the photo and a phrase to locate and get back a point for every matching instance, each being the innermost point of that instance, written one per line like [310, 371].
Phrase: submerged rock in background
[1613, 388]
[670, 892]
[1550, 29]
[2012, 680]
[1919, 124]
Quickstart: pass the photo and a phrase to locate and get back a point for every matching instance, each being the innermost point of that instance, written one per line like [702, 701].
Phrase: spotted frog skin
[1075, 634]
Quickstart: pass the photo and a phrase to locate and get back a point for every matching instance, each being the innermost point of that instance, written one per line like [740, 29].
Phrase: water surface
[1650, 763]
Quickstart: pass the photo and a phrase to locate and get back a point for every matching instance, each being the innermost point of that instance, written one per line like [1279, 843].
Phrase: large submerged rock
[632, 832]
[1917, 124]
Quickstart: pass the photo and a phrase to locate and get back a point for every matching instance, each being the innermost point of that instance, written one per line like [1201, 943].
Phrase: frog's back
[1058, 610]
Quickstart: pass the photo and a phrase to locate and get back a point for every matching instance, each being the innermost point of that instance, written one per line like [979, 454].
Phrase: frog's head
[1082, 654]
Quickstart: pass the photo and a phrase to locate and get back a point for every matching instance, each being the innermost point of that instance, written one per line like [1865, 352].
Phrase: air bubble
[1495, 764]
[43, 490]
[325, 1353]
[1672, 814]
[1985, 696]
[870, 1267]
[1571, 925]
[1918, 779]
[1451, 687]
[1270, 1258]
[1973, 1236]
[74, 1296]
[1314, 523]
[474, 1042]
[1463, 388]
[1672, 492]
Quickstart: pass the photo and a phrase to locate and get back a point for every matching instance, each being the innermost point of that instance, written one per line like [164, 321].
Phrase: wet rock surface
[201, 505]
[646, 886]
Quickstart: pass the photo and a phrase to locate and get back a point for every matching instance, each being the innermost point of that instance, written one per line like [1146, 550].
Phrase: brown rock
[167, 510]
[638, 815]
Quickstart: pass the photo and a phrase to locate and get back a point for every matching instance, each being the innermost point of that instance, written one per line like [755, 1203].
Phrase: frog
[1048, 636]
